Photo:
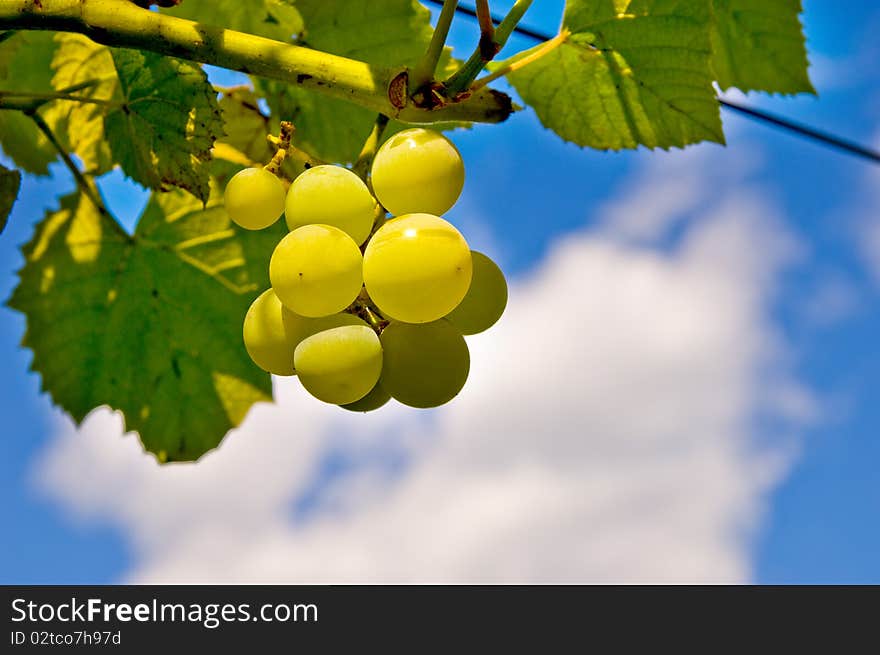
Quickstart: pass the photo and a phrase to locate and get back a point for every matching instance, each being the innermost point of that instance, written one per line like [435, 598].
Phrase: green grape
[418, 171]
[301, 327]
[266, 337]
[485, 300]
[316, 270]
[425, 365]
[331, 195]
[340, 365]
[254, 198]
[417, 268]
[377, 398]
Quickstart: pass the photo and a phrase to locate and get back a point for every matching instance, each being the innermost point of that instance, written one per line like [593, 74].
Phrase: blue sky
[526, 193]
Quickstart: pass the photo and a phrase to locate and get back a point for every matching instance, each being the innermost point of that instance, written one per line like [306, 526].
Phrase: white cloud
[670, 189]
[607, 433]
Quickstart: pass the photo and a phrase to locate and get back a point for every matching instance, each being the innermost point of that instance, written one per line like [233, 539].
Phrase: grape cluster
[364, 308]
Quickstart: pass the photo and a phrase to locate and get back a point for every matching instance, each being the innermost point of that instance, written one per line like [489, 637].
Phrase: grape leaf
[79, 126]
[25, 62]
[10, 183]
[632, 72]
[759, 46]
[382, 32]
[273, 19]
[163, 133]
[9, 46]
[151, 324]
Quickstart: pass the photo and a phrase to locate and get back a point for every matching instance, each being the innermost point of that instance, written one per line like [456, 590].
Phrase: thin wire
[803, 130]
[788, 125]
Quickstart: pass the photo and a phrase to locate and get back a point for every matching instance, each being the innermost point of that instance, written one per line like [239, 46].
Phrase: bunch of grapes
[364, 308]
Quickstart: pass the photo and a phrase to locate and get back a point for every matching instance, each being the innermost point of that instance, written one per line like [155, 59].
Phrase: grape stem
[523, 59]
[381, 219]
[371, 146]
[423, 74]
[486, 51]
[375, 321]
[364, 308]
[283, 143]
[123, 24]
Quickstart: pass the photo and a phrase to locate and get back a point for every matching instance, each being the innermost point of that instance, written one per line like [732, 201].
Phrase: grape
[316, 270]
[254, 198]
[425, 365]
[377, 398]
[272, 332]
[417, 268]
[266, 337]
[331, 195]
[485, 300]
[340, 365]
[301, 327]
[416, 171]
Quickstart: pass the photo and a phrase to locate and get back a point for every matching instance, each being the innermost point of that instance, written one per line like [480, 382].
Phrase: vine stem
[88, 189]
[424, 72]
[484, 18]
[371, 146]
[508, 25]
[522, 60]
[469, 71]
[123, 24]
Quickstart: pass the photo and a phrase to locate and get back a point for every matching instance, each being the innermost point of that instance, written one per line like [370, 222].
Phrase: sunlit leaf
[151, 324]
[631, 73]
[163, 133]
[80, 125]
[759, 46]
[10, 183]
